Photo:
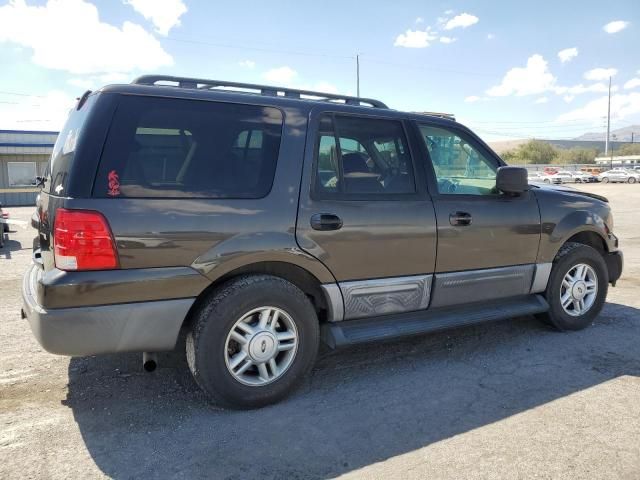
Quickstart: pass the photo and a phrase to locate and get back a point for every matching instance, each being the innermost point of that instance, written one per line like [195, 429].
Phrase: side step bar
[350, 332]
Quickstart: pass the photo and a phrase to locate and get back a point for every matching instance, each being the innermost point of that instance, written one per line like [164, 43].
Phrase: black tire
[2, 238]
[631, 180]
[605, 179]
[205, 342]
[572, 254]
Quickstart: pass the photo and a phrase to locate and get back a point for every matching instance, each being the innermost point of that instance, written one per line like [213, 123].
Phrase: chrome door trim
[369, 298]
[541, 277]
[457, 288]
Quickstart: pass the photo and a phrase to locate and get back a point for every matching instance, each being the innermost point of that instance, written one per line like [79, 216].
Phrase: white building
[619, 161]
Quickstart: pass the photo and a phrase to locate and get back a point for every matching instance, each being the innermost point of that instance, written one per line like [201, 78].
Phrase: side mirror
[512, 180]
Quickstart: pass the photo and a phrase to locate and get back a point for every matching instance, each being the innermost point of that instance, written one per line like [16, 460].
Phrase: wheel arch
[302, 278]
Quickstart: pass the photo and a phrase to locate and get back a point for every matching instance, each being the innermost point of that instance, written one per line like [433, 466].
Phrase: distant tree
[510, 156]
[628, 149]
[577, 155]
[536, 152]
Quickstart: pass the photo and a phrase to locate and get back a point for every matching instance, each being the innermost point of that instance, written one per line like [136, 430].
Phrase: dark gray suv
[261, 221]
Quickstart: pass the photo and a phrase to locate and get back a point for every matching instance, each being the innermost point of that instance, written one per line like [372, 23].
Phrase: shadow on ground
[9, 246]
[359, 406]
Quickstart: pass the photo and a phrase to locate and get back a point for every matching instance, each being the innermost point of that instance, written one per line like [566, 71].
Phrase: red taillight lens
[83, 241]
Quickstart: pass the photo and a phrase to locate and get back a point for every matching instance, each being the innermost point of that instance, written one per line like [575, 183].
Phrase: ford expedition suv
[261, 221]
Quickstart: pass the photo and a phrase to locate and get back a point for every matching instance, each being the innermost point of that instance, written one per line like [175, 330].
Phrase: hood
[573, 191]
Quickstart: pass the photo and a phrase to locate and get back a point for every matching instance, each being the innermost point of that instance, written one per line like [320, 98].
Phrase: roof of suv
[194, 88]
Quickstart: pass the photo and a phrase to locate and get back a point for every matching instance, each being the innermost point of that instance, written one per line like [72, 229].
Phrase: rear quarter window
[163, 147]
[64, 150]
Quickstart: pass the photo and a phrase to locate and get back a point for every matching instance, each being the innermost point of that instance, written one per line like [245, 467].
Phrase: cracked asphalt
[506, 400]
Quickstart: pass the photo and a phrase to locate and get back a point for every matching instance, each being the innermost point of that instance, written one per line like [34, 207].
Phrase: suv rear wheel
[253, 341]
[577, 287]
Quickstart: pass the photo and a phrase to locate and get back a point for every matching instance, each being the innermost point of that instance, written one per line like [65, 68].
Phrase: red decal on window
[114, 184]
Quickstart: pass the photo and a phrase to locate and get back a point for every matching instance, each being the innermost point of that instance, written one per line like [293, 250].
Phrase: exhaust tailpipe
[149, 361]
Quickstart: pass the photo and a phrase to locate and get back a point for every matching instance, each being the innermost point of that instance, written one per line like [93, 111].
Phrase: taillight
[82, 241]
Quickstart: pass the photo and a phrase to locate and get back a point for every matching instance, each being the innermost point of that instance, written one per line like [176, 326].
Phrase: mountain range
[618, 135]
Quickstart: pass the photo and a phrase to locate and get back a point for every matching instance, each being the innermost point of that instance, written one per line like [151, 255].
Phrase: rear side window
[65, 147]
[161, 147]
[362, 156]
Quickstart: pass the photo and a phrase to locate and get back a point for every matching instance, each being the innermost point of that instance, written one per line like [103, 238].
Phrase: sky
[506, 69]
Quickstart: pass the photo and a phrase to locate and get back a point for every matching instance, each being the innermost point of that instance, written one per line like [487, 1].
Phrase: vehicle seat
[357, 176]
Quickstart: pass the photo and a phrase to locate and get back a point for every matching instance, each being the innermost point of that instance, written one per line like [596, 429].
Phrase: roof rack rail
[202, 84]
[449, 116]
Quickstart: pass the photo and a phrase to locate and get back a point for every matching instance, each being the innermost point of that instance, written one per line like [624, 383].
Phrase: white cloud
[615, 26]
[447, 39]
[490, 36]
[542, 100]
[633, 83]
[622, 106]
[533, 79]
[282, 75]
[472, 99]
[567, 54]
[600, 73]
[419, 20]
[580, 88]
[93, 82]
[463, 20]
[324, 87]
[68, 35]
[247, 64]
[415, 38]
[47, 112]
[568, 98]
[164, 14]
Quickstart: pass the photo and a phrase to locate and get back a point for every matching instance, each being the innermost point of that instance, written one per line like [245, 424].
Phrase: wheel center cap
[579, 290]
[263, 346]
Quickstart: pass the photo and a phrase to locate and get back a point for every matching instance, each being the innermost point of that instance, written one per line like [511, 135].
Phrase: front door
[365, 213]
[487, 241]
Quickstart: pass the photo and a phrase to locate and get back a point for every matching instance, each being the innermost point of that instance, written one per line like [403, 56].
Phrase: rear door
[365, 213]
[487, 241]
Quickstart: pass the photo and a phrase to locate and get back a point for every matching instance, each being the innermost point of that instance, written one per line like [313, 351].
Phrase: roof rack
[202, 84]
[449, 116]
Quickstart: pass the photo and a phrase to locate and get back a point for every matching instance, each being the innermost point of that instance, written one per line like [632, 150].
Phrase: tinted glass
[363, 156]
[460, 168]
[64, 149]
[160, 147]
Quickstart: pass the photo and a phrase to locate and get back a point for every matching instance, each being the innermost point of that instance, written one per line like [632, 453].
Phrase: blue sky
[496, 65]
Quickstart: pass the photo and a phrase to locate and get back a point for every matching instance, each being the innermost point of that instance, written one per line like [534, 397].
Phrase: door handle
[326, 221]
[460, 219]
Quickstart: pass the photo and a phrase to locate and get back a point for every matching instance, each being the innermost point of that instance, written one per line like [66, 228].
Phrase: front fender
[554, 235]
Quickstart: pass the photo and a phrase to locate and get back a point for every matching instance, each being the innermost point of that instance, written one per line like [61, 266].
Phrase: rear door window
[161, 147]
[362, 156]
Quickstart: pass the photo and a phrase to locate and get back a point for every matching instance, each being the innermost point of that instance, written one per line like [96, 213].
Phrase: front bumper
[615, 262]
[149, 326]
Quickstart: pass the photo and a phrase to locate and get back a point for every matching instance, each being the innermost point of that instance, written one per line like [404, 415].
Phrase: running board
[350, 332]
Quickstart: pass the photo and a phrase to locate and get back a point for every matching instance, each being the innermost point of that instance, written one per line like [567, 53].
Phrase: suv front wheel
[577, 287]
[253, 341]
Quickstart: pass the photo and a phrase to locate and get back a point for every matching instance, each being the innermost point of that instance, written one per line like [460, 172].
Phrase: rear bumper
[615, 262]
[125, 327]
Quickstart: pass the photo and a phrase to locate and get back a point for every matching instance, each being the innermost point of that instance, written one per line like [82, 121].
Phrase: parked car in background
[551, 170]
[619, 175]
[536, 177]
[559, 177]
[4, 227]
[595, 171]
[583, 177]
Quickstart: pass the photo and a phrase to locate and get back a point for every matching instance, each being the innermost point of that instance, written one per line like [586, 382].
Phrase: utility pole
[606, 140]
[358, 75]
